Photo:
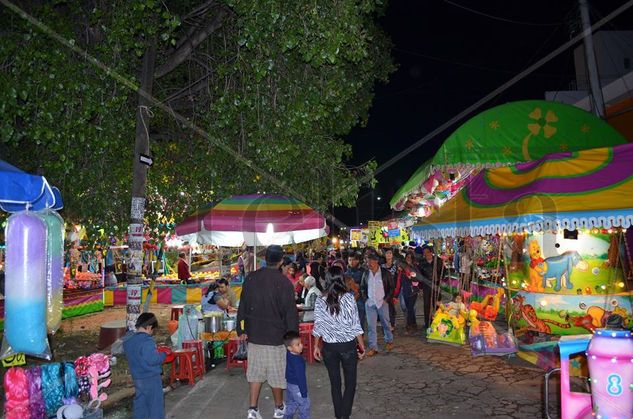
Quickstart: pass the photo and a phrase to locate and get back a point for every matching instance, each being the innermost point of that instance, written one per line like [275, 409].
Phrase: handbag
[242, 351]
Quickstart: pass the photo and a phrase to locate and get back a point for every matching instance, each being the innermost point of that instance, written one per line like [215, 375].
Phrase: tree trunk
[139, 182]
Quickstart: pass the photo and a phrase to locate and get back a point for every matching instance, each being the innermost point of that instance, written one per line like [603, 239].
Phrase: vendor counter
[163, 294]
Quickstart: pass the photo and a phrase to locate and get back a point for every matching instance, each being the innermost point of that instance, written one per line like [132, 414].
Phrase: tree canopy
[273, 87]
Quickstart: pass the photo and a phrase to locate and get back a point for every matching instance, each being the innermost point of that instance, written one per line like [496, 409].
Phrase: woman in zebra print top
[337, 325]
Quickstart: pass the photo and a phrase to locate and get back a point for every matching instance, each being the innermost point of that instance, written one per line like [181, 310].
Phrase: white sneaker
[279, 413]
[254, 414]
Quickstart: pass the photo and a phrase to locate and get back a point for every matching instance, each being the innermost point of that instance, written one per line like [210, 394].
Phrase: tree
[274, 85]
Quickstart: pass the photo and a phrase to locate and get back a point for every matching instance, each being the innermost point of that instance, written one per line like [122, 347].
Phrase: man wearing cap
[376, 289]
[267, 308]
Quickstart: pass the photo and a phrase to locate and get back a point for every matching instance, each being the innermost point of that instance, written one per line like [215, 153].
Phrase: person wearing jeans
[377, 288]
[337, 325]
[409, 290]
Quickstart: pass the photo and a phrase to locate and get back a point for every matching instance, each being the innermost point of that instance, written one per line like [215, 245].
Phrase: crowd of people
[344, 294]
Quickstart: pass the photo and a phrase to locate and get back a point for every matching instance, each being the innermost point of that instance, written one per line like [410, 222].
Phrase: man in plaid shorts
[267, 308]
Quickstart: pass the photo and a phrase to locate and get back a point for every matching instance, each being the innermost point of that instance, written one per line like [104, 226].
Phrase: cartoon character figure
[445, 328]
[485, 309]
[595, 318]
[538, 267]
[561, 266]
[527, 313]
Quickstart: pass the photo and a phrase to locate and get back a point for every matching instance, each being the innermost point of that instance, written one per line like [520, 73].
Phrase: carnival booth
[563, 221]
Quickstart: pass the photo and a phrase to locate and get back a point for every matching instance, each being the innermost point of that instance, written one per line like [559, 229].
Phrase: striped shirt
[337, 328]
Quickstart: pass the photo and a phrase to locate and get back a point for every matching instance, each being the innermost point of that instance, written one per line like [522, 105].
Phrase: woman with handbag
[337, 326]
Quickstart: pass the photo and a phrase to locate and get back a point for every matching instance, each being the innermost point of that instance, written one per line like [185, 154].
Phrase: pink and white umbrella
[254, 220]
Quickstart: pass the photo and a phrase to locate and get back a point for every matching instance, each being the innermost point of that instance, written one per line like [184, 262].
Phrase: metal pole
[590, 59]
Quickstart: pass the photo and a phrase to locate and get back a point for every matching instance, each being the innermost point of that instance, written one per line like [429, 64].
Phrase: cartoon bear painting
[538, 267]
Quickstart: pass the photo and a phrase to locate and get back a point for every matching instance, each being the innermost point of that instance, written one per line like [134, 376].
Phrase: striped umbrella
[254, 220]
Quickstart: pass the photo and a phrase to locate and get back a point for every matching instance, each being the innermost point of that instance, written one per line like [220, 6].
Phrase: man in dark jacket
[267, 307]
[377, 289]
[431, 268]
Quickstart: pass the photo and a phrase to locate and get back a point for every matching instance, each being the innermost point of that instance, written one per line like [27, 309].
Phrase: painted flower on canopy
[542, 122]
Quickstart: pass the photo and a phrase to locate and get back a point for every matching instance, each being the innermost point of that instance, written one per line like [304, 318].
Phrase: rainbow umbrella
[254, 220]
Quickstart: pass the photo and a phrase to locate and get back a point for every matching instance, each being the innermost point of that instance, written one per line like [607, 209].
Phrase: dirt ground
[80, 336]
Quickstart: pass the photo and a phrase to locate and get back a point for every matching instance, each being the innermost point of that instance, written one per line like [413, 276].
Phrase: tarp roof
[20, 190]
[512, 133]
[561, 190]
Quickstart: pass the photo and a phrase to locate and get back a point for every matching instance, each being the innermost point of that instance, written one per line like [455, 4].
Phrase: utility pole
[590, 59]
[142, 162]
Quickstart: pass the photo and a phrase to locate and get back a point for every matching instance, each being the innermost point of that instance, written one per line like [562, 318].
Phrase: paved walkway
[415, 380]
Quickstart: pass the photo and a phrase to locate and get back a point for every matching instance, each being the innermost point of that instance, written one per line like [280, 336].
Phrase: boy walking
[297, 387]
[145, 363]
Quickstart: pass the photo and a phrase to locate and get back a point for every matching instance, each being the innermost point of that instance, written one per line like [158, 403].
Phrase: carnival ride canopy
[568, 190]
[504, 135]
[254, 220]
[20, 190]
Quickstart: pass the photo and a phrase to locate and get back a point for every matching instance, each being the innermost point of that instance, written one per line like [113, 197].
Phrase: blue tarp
[20, 190]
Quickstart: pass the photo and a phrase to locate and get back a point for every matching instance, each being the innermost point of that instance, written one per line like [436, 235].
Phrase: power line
[501, 19]
[467, 65]
[502, 88]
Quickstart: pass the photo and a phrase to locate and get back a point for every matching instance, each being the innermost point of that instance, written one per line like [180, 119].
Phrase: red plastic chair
[182, 368]
[230, 349]
[198, 359]
[308, 345]
[176, 311]
[306, 326]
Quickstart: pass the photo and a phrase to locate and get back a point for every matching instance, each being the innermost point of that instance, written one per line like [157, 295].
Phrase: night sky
[448, 58]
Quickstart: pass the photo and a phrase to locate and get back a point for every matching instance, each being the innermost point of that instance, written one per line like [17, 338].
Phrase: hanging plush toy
[93, 374]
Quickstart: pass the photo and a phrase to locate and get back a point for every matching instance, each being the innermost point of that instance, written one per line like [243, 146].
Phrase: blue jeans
[410, 304]
[362, 315]
[296, 403]
[373, 314]
[148, 398]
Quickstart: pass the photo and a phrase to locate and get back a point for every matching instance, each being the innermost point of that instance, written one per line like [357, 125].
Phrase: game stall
[564, 223]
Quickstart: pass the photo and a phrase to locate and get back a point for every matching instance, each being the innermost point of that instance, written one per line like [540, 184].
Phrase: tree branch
[182, 53]
[203, 8]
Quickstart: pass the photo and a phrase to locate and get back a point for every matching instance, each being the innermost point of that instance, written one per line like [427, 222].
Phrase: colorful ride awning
[258, 220]
[583, 189]
[504, 135]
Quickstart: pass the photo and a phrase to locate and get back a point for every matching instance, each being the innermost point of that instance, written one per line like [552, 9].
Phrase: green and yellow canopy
[504, 135]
